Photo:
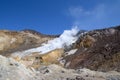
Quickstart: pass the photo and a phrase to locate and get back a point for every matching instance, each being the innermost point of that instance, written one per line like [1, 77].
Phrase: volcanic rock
[12, 70]
[97, 50]
[12, 41]
[55, 72]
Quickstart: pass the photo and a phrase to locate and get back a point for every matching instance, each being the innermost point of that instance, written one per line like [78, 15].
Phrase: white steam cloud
[66, 39]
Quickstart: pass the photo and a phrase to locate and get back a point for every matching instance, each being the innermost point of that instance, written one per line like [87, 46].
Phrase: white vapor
[66, 39]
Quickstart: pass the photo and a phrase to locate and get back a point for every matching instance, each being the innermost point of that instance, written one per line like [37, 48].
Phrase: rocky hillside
[97, 50]
[12, 41]
[81, 55]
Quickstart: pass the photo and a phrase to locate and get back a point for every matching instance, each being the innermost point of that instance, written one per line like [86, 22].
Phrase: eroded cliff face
[97, 50]
[12, 41]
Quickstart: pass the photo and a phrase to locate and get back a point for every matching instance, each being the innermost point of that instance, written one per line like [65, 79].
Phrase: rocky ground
[12, 70]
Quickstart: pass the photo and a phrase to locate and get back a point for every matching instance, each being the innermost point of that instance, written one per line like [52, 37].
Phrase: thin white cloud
[100, 16]
[78, 12]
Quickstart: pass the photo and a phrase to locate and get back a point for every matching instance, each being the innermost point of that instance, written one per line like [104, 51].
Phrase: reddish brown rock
[102, 54]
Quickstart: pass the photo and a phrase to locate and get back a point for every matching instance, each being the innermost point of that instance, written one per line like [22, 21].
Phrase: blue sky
[54, 16]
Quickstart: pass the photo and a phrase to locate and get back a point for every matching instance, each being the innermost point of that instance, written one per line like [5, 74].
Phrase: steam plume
[65, 40]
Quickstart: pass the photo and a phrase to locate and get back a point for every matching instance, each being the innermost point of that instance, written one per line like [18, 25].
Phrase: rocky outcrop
[12, 70]
[12, 41]
[97, 50]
